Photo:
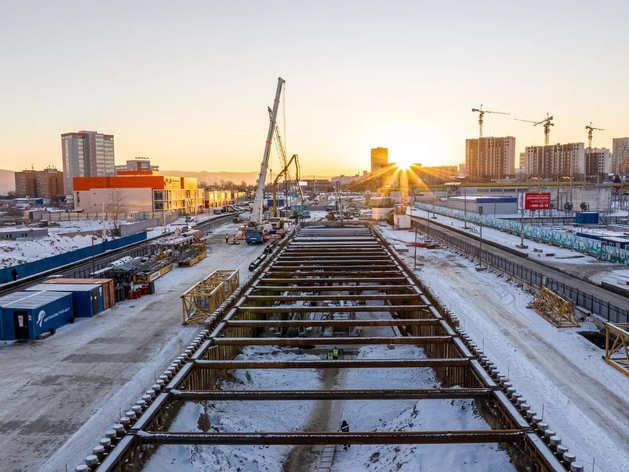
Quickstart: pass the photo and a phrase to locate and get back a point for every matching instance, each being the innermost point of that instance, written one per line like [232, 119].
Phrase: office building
[556, 160]
[620, 150]
[47, 183]
[145, 191]
[138, 163]
[490, 158]
[379, 157]
[598, 162]
[87, 154]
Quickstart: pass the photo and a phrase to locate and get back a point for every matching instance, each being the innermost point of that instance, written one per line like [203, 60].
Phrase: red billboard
[535, 201]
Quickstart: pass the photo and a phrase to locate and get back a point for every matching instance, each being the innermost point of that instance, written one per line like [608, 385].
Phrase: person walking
[345, 429]
[14, 274]
[335, 353]
[227, 239]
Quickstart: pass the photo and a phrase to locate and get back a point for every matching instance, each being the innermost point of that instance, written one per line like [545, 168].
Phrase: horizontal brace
[338, 288]
[346, 267]
[326, 323]
[336, 341]
[334, 364]
[331, 309]
[358, 261]
[336, 280]
[380, 394]
[369, 437]
[314, 298]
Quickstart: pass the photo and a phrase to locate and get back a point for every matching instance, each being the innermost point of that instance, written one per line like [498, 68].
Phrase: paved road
[568, 279]
[78, 381]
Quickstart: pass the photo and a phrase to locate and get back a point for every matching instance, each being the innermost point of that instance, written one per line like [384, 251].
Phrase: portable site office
[109, 294]
[26, 315]
[87, 300]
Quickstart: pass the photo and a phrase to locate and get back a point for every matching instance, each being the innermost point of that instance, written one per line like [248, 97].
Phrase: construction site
[341, 336]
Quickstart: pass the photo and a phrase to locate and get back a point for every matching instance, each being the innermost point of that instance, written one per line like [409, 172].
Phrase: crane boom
[283, 173]
[481, 116]
[591, 130]
[256, 213]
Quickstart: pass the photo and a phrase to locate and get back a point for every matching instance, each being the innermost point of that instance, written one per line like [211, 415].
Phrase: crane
[281, 174]
[547, 122]
[481, 116]
[591, 129]
[256, 213]
[278, 140]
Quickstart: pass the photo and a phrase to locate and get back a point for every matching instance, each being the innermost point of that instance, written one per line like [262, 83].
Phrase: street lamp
[480, 251]
[93, 262]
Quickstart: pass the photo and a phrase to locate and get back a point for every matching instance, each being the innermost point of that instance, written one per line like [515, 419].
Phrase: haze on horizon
[188, 84]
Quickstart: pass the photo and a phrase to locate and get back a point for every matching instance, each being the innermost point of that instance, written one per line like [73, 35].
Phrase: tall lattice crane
[591, 130]
[481, 117]
[547, 122]
[256, 213]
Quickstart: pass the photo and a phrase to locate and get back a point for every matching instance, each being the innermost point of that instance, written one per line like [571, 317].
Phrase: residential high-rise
[490, 158]
[87, 154]
[379, 157]
[47, 183]
[597, 162]
[556, 160]
[620, 150]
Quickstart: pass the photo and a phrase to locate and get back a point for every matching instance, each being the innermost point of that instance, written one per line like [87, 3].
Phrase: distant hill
[7, 181]
[211, 177]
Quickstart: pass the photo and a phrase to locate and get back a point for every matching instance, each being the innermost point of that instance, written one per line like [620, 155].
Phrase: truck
[253, 236]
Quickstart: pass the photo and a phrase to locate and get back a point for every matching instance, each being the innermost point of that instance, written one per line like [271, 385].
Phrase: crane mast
[256, 213]
[591, 130]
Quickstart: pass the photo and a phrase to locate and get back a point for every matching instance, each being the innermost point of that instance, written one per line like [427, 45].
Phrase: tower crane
[481, 117]
[547, 122]
[591, 129]
[256, 213]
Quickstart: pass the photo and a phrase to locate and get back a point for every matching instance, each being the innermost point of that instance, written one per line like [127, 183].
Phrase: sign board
[303, 183]
[534, 201]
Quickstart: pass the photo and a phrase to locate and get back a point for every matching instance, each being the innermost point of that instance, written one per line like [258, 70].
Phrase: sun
[404, 163]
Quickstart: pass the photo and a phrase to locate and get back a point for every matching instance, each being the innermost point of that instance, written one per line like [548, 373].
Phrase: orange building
[142, 190]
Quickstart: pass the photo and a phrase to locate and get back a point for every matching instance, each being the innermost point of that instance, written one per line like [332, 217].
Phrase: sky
[188, 83]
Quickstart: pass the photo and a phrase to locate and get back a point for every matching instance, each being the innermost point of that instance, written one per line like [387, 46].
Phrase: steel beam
[331, 309]
[326, 323]
[319, 280]
[332, 340]
[315, 298]
[334, 364]
[335, 288]
[366, 437]
[377, 394]
[355, 261]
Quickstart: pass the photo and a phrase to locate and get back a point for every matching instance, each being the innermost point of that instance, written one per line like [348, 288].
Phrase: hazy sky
[188, 83]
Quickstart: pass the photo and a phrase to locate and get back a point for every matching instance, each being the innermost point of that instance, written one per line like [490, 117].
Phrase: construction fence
[581, 299]
[538, 233]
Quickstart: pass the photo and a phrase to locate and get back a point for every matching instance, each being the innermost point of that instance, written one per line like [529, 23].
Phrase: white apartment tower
[490, 158]
[86, 154]
[620, 150]
[556, 160]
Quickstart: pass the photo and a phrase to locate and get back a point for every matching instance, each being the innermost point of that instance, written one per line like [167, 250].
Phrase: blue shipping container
[25, 315]
[87, 299]
[586, 218]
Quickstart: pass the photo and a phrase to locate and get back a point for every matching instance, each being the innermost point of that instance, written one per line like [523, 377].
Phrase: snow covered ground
[559, 372]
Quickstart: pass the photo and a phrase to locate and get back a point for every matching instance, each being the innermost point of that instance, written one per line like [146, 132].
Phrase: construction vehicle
[481, 117]
[257, 212]
[254, 235]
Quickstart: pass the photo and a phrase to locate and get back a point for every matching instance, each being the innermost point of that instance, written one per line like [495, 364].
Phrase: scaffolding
[204, 297]
[554, 309]
[616, 352]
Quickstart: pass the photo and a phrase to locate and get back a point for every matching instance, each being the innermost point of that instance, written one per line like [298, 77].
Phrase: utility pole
[415, 267]
[465, 206]
[480, 251]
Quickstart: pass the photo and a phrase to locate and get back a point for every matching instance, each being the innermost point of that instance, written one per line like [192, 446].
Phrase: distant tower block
[379, 157]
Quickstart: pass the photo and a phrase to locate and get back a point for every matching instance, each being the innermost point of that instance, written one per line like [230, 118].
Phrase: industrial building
[379, 157]
[87, 154]
[556, 160]
[138, 191]
[490, 158]
[221, 198]
[47, 183]
[620, 150]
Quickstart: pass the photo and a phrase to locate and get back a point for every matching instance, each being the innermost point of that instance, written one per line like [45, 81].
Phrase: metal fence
[581, 299]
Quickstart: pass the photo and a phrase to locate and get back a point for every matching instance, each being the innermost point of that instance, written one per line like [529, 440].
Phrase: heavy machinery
[591, 130]
[256, 213]
[281, 174]
[481, 117]
[547, 122]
